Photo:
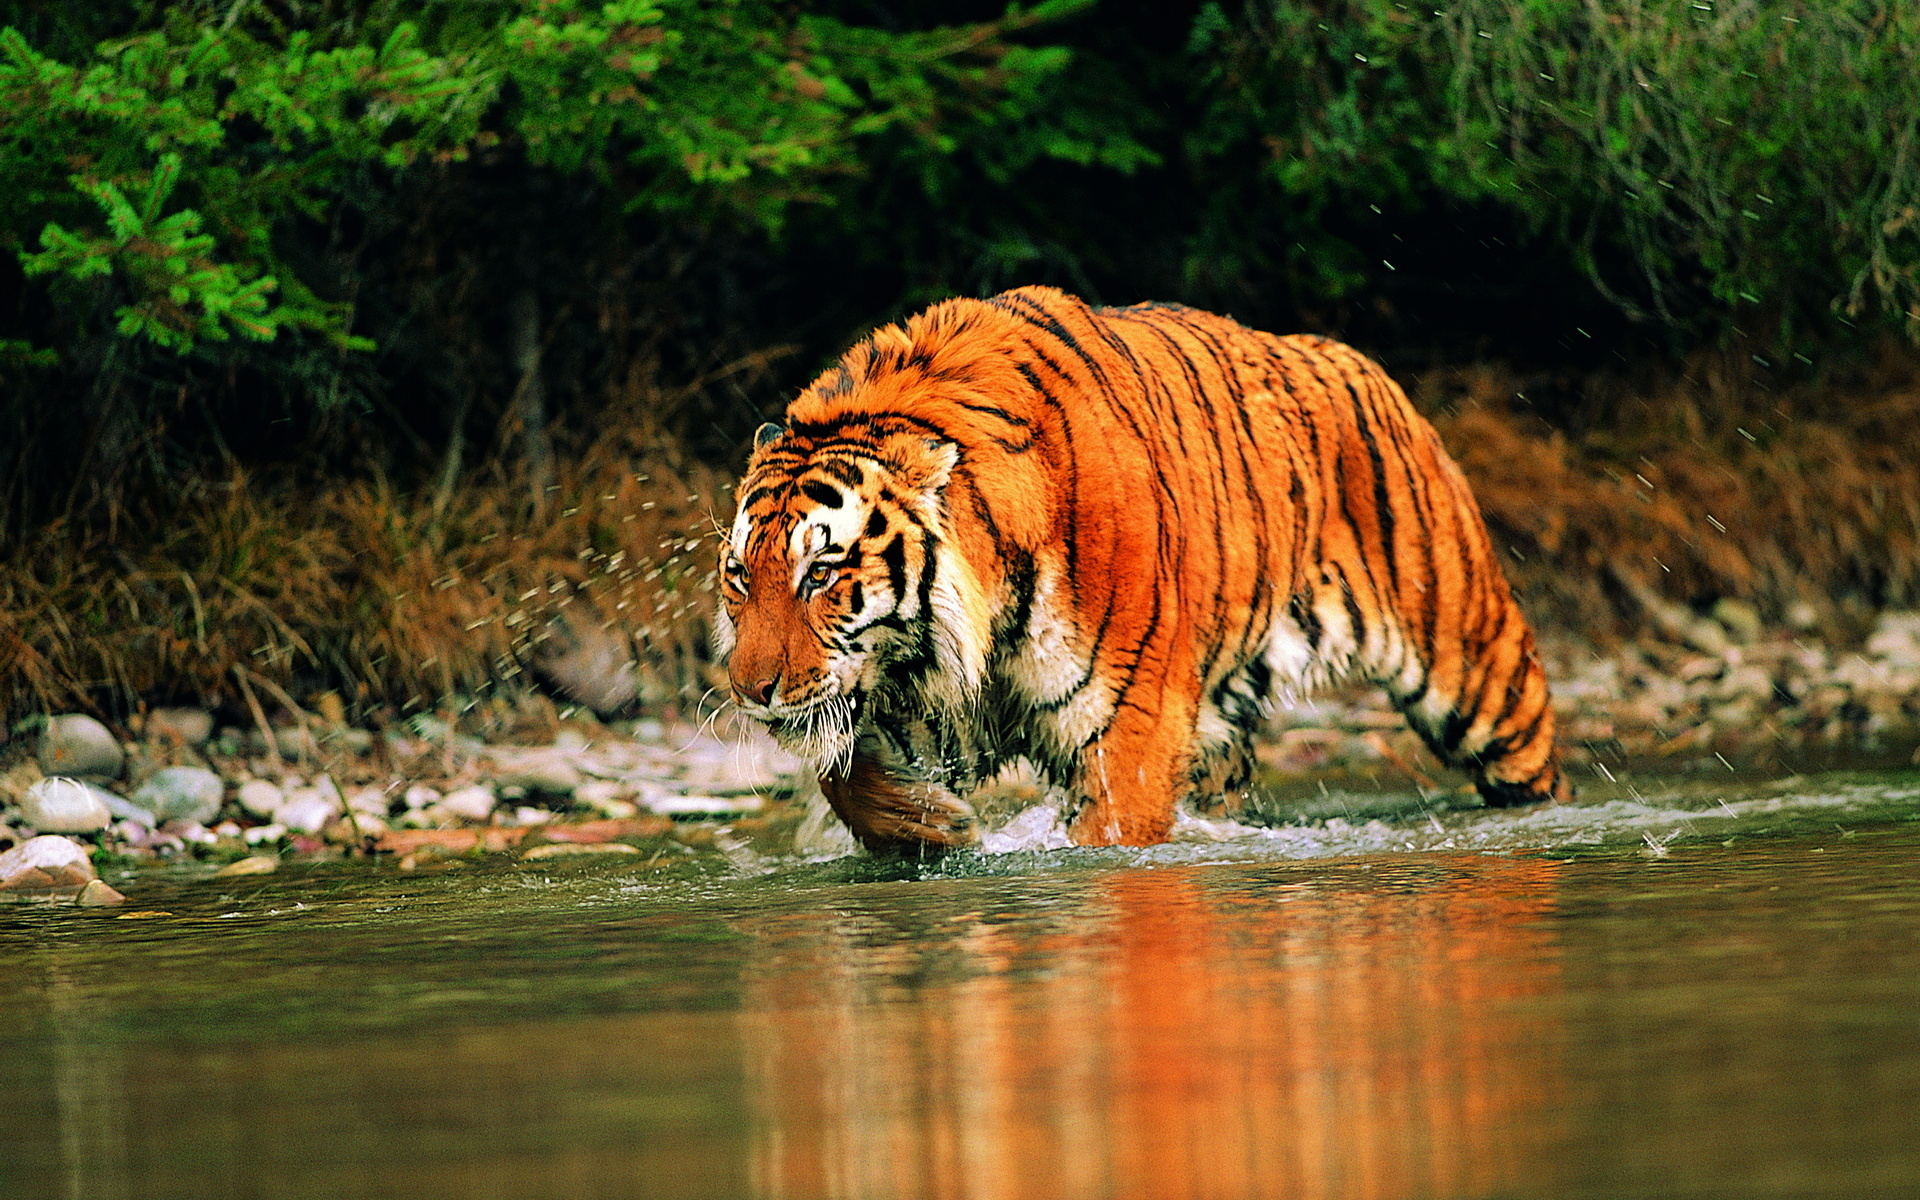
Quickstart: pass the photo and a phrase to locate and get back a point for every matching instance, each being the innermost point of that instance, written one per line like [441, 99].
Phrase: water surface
[1690, 991]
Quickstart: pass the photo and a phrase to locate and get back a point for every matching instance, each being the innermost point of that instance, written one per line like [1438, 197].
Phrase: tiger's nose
[761, 692]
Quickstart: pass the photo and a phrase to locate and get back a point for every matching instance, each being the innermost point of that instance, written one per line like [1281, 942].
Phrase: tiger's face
[828, 588]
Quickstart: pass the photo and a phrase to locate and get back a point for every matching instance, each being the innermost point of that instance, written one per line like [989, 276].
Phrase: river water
[1696, 989]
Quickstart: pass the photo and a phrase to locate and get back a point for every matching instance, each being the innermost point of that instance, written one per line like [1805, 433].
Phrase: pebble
[99, 894]
[57, 804]
[182, 794]
[253, 864]
[76, 744]
[125, 810]
[468, 803]
[704, 806]
[180, 726]
[571, 849]
[261, 797]
[309, 810]
[368, 802]
[263, 833]
[45, 863]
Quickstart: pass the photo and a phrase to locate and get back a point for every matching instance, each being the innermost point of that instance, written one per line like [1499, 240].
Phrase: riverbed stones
[47, 863]
[58, 804]
[76, 744]
[182, 794]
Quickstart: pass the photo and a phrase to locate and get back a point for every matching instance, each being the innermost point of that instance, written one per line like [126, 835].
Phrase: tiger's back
[1105, 541]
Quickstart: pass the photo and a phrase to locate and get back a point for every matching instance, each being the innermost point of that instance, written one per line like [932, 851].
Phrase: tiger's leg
[1478, 697]
[1130, 777]
[892, 813]
[1501, 727]
[1475, 693]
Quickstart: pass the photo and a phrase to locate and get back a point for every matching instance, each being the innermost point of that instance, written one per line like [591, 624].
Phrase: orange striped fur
[1104, 541]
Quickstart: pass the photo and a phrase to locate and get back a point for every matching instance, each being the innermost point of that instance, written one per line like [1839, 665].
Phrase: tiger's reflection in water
[1354, 1031]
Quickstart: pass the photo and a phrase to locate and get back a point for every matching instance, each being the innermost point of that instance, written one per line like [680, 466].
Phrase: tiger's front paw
[897, 816]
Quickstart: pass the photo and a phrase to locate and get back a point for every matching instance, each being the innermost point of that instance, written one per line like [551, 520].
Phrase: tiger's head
[839, 582]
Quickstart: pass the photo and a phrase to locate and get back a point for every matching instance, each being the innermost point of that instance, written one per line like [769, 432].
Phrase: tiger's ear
[932, 462]
[766, 435]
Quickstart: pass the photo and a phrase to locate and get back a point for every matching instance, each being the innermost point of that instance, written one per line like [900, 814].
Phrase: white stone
[1748, 682]
[261, 797]
[368, 801]
[308, 810]
[420, 796]
[704, 806]
[1896, 636]
[76, 744]
[46, 862]
[182, 794]
[468, 803]
[57, 804]
[264, 833]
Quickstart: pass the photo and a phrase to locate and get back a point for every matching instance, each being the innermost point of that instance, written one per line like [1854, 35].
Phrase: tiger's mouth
[844, 706]
[822, 731]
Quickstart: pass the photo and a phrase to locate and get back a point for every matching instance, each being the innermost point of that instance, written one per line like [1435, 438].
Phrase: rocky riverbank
[178, 785]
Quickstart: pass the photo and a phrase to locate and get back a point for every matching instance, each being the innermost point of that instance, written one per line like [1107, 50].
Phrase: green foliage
[172, 162]
[1705, 163]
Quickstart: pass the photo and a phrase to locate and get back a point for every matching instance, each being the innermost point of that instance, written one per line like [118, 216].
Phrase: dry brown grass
[1715, 483]
[1706, 485]
[359, 589]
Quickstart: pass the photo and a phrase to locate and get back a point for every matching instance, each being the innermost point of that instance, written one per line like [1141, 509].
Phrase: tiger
[1106, 541]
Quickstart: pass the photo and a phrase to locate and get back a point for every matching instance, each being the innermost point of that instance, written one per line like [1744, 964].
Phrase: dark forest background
[396, 348]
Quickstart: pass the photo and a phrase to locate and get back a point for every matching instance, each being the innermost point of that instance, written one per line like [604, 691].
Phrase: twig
[259, 716]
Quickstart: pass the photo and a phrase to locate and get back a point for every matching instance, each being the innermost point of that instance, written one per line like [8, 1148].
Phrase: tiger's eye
[818, 574]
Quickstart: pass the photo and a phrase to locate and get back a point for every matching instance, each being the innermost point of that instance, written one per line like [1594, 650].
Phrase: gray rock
[589, 660]
[182, 794]
[57, 804]
[549, 772]
[180, 726]
[124, 809]
[76, 744]
[46, 863]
